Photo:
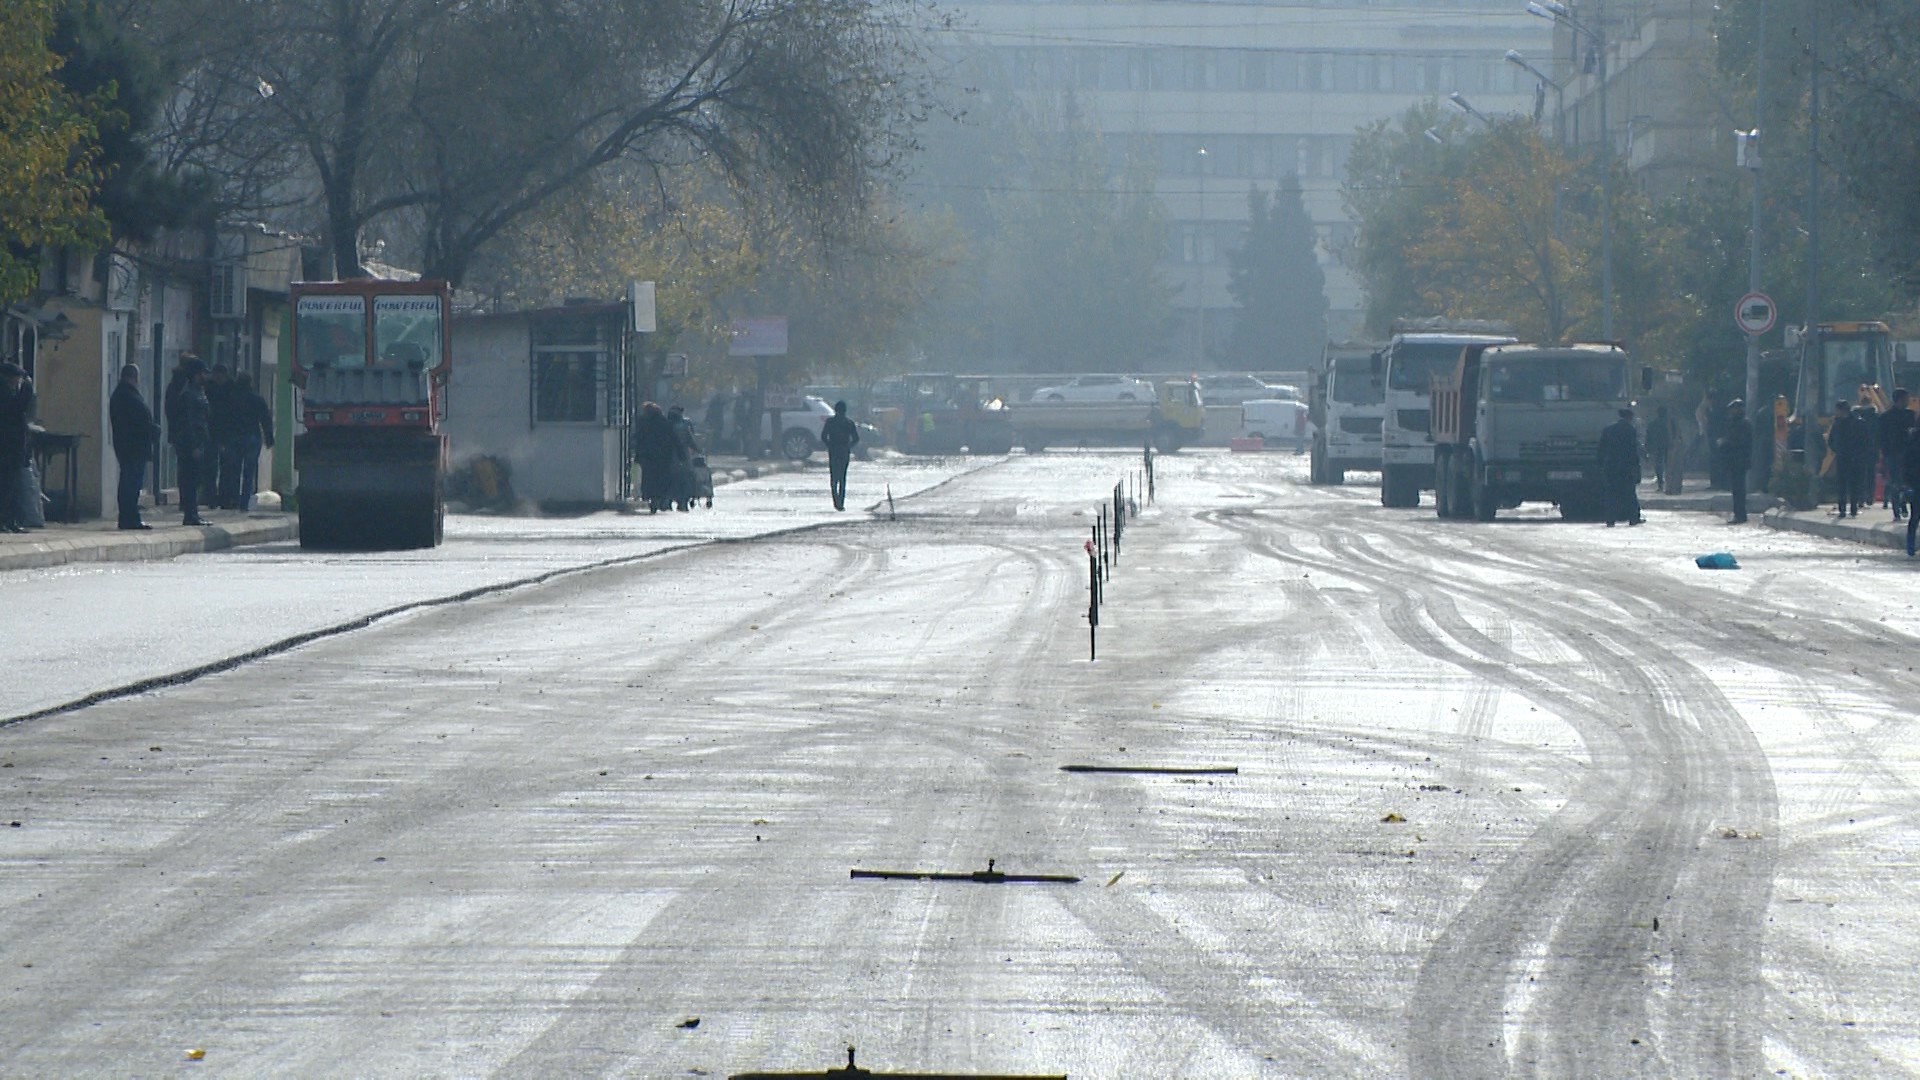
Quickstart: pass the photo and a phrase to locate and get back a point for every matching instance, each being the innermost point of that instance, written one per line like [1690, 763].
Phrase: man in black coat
[16, 412]
[653, 449]
[1620, 470]
[134, 435]
[1893, 426]
[187, 429]
[1851, 440]
[222, 464]
[1910, 475]
[839, 434]
[1733, 451]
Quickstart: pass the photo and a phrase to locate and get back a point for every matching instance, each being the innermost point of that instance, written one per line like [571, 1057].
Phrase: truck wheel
[1397, 489]
[797, 444]
[1484, 501]
[1442, 486]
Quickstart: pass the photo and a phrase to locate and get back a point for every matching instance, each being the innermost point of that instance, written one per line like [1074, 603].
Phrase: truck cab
[1345, 407]
[1418, 350]
[1522, 423]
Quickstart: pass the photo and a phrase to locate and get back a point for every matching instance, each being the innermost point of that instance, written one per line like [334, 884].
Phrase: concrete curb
[1887, 534]
[58, 548]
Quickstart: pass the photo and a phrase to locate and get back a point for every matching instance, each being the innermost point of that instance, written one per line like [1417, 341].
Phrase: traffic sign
[1755, 313]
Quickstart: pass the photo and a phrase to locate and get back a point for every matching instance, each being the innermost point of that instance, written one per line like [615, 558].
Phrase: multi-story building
[1226, 96]
[1665, 111]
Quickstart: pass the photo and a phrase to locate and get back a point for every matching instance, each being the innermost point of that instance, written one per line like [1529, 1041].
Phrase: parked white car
[1235, 389]
[1276, 422]
[799, 434]
[1097, 388]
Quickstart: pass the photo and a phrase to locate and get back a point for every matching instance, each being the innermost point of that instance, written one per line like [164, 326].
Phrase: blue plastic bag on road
[1719, 560]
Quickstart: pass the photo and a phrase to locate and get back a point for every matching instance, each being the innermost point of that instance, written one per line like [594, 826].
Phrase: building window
[572, 370]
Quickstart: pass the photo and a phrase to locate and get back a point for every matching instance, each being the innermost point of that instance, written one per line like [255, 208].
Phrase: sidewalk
[1873, 527]
[102, 541]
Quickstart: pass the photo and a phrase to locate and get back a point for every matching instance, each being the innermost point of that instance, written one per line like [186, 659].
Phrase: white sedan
[1097, 388]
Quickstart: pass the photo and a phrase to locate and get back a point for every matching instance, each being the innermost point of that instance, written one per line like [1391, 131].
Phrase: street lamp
[1435, 137]
[1559, 93]
[1460, 102]
[1200, 271]
[1560, 13]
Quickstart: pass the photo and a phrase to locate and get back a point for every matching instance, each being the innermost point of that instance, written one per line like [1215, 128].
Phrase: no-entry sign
[1755, 313]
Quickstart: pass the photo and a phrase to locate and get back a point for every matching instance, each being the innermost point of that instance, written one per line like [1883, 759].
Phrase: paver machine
[372, 359]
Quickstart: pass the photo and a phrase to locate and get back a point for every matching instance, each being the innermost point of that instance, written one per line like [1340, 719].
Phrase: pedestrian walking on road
[1851, 440]
[1733, 453]
[1659, 445]
[1620, 470]
[187, 428]
[16, 413]
[1893, 426]
[840, 435]
[134, 438]
[653, 451]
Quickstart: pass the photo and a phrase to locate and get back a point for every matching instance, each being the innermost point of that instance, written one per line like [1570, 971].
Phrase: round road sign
[1755, 313]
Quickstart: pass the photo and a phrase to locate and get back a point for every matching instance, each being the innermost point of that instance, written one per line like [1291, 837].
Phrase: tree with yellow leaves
[47, 151]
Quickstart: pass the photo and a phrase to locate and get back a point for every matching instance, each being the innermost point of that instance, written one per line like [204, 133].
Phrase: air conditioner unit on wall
[228, 291]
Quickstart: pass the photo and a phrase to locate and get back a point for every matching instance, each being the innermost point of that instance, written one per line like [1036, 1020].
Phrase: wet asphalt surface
[1527, 798]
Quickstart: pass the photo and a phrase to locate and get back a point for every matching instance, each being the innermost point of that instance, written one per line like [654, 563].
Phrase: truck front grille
[1360, 425]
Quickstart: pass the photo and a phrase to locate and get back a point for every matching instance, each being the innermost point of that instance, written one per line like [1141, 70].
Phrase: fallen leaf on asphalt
[1394, 819]
[196, 1054]
[1115, 878]
[690, 1023]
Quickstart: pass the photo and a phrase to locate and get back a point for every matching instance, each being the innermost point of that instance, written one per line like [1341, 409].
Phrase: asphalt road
[1526, 798]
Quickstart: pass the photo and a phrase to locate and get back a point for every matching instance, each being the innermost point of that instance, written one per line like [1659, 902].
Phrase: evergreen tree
[1277, 284]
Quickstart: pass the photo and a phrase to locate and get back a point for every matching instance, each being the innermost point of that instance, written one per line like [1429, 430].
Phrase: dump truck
[371, 358]
[1522, 423]
[1345, 406]
[1418, 350]
[1175, 419]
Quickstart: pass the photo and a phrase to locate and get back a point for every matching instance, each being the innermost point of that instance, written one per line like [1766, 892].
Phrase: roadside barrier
[1103, 549]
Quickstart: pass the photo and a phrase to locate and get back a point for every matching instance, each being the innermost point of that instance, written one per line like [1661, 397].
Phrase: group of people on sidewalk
[672, 467]
[218, 424]
[1880, 451]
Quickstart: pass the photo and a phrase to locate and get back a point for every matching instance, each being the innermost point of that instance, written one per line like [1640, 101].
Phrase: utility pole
[1752, 394]
[1811, 340]
[1606, 183]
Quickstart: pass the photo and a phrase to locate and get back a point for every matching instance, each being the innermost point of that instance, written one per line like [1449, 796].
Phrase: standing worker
[1851, 440]
[1910, 477]
[16, 412]
[253, 418]
[1893, 427]
[1660, 445]
[1620, 470]
[1733, 452]
[134, 435]
[187, 421]
[840, 435]
[653, 450]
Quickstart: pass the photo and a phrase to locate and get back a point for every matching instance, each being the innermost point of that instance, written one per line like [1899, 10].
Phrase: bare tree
[442, 122]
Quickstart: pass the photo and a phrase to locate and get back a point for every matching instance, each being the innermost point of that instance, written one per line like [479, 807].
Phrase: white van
[1276, 422]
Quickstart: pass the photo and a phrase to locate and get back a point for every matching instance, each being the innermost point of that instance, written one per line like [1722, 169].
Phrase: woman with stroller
[653, 450]
[685, 449]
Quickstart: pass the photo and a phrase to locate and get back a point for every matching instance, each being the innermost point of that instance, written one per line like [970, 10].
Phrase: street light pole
[1200, 273]
[1559, 12]
[1752, 387]
[1559, 94]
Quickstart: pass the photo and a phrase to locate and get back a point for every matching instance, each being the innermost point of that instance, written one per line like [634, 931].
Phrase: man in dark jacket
[839, 434]
[1733, 452]
[188, 431]
[1910, 472]
[255, 432]
[16, 412]
[1660, 445]
[653, 450]
[1620, 470]
[1893, 426]
[134, 436]
[1851, 440]
[222, 464]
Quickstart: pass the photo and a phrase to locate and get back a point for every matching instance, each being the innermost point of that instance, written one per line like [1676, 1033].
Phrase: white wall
[489, 412]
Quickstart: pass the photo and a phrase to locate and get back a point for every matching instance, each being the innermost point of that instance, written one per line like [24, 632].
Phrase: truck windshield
[1353, 383]
[1850, 364]
[331, 331]
[406, 330]
[1412, 365]
[1558, 378]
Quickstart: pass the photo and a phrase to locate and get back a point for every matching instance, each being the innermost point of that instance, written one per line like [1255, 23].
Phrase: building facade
[1224, 97]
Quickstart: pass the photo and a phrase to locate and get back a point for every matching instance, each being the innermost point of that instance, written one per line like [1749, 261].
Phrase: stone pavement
[102, 541]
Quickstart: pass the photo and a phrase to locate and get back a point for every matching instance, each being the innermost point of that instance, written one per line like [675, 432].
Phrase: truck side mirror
[1646, 378]
[1375, 363]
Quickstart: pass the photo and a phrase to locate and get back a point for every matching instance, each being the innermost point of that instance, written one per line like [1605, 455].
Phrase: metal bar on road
[1156, 770]
[989, 876]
